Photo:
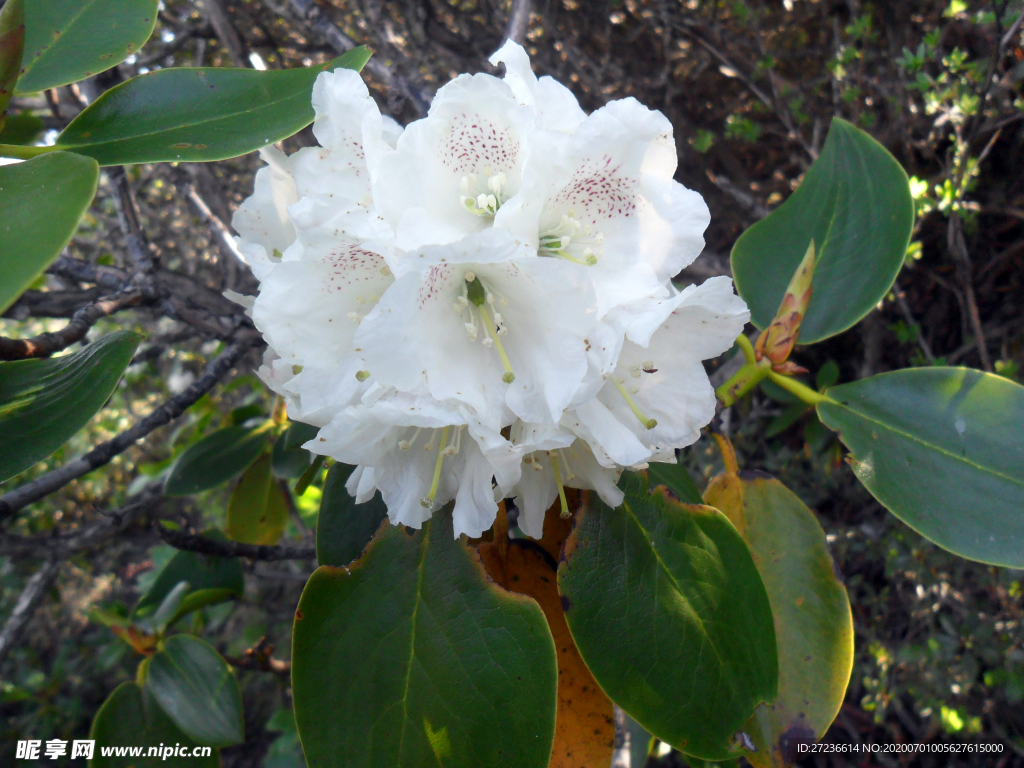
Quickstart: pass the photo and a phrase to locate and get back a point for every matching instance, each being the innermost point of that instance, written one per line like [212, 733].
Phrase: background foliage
[750, 88]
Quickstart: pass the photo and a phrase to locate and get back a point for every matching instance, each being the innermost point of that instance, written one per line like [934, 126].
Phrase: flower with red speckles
[480, 305]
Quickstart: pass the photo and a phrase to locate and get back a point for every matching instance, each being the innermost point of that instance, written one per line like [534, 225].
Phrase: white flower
[552, 459]
[420, 454]
[481, 323]
[499, 268]
[658, 396]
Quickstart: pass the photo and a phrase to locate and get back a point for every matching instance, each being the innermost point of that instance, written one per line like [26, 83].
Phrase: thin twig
[958, 247]
[901, 301]
[313, 16]
[131, 226]
[100, 455]
[46, 344]
[26, 605]
[518, 21]
[226, 32]
[193, 542]
[259, 659]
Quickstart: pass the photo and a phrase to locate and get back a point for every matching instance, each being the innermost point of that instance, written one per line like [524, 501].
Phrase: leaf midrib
[412, 639]
[217, 118]
[916, 439]
[675, 583]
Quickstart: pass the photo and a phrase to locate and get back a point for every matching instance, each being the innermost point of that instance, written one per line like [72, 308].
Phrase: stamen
[407, 444]
[428, 500]
[561, 488]
[569, 475]
[648, 423]
[508, 376]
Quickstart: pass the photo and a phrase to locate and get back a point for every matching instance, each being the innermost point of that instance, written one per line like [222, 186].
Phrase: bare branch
[519, 21]
[226, 32]
[65, 543]
[43, 486]
[46, 344]
[26, 605]
[51, 303]
[259, 659]
[958, 247]
[309, 12]
[193, 542]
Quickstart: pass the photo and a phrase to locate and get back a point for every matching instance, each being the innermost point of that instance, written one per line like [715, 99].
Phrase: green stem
[747, 348]
[741, 382]
[25, 153]
[802, 391]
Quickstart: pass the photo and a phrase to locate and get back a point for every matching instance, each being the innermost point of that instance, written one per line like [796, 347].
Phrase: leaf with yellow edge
[813, 623]
[584, 721]
[257, 511]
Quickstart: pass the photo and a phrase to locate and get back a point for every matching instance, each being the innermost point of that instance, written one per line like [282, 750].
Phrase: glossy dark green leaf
[202, 572]
[168, 609]
[813, 623]
[299, 433]
[215, 459]
[196, 688]
[70, 40]
[290, 462]
[194, 114]
[855, 204]
[344, 528]
[942, 449]
[44, 402]
[677, 479]
[42, 200]
[12, 43]
[21, 128]
[411, 658]
[674, 585]
[257, 512]
[131, 717]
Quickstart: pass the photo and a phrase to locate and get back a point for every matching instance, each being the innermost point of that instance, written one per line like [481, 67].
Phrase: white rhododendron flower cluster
[479, 306]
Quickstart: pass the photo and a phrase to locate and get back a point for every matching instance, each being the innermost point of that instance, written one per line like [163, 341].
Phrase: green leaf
[70, 40]
[44, 402]
[168, 609]
[674, 585]
[290, 462]
[190, 114]
[131, 717]
[344, 528]
[677, 479]
[21, 128]
[298, 434]
[42, 200]
[215, 459]
[413, 658]
[855, 204]
[202, 572]
[813, 623]
[12, 43]
[942, 449]
[257, 511]
[196, 688]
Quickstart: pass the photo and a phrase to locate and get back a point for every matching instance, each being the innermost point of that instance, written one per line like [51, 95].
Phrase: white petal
[604, 432]
[557, 108]
[475, 126]
[262, 219]
[305, 308]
